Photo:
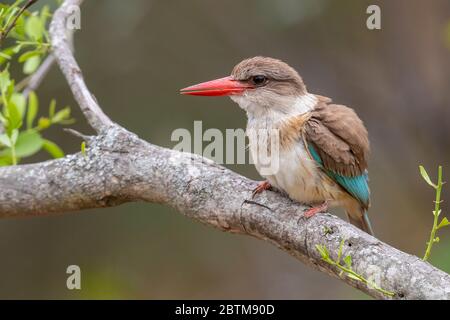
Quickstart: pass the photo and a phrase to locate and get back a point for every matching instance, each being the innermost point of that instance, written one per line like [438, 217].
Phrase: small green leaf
[53, 149]
[9, 14]
[352, 276]
[19, 100]
[34, 28]
[33, 106]
[6, 55]
[28, 143]
[5, 161]
[17, 48]
[14, 117]
[348, 261]
[5, 80]
[29, 54]
[51, 109]
[43, 123]
[444, 222]
[45, 14]
[13, 137]
[83, 148]
[19, 29]
[4, 139]
[323, 251]
[61, 115]
[426, 177]
[9, 90]
[31, 64]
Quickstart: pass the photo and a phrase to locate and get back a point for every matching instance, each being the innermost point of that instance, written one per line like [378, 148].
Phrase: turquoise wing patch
[357, 186]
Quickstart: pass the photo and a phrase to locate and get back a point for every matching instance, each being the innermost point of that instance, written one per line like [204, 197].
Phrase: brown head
[258, 85]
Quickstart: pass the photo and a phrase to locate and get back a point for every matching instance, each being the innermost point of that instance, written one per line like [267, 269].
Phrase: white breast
[296, 173]
[299, 176]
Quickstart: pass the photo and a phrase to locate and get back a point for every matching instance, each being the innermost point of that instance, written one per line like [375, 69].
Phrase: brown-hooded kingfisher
[324, 147]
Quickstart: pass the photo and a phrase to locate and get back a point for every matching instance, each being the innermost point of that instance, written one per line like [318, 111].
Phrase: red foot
[314, 210]
[263, 185]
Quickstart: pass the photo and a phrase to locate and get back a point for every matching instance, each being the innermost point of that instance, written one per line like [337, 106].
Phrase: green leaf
[14, 117]
[10, 89]
[17, 48]
[13, 137]
[352, 276]
[444, 222]
[31, 64]
[19, 100]
[4, 139]
[5, 161]
[34, 28]
[29, 54]
[44, 123]
[51, 109]
[33, 107]
[45, 14]
[5, 80]
[83, 148]
[28, 143]
[348, 261]
[6, 55]
[426, 177]
[61, 115]
[10, 13]
[53, 149]
[323, 251]
[19, 30]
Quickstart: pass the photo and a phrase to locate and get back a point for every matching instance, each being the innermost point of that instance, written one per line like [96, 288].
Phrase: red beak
[220, 87]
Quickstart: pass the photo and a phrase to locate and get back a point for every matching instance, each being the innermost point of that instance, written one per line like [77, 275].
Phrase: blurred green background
[136, 54]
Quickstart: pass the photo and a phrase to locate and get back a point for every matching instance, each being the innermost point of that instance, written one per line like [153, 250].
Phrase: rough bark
[120, 167]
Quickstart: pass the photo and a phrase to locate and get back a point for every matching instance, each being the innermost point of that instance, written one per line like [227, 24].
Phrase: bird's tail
[358, 217]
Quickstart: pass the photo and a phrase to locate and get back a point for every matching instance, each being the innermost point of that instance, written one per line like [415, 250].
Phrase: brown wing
[339, 137]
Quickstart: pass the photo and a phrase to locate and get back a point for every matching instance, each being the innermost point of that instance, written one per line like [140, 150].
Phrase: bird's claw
[315, 210]
[263, 185]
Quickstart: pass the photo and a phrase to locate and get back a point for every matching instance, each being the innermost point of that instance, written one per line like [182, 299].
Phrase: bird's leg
[317, 209]
[263, 185]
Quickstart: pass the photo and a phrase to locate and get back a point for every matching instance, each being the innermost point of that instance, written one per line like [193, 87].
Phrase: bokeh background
[136, 54]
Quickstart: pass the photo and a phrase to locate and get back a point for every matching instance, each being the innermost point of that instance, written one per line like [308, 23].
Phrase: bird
[323, 146]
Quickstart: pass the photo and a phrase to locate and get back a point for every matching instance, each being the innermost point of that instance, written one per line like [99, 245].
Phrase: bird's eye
[258, 80]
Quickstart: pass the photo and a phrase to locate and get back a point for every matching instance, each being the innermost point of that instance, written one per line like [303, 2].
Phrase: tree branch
[119, 167]
[60, 39]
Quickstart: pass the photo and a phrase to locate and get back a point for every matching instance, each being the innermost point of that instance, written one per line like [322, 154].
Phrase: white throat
[279, 109]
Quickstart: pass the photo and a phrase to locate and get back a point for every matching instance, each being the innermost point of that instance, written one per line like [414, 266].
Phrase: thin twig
[78, 134]
[36, 78]
[436, 213]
